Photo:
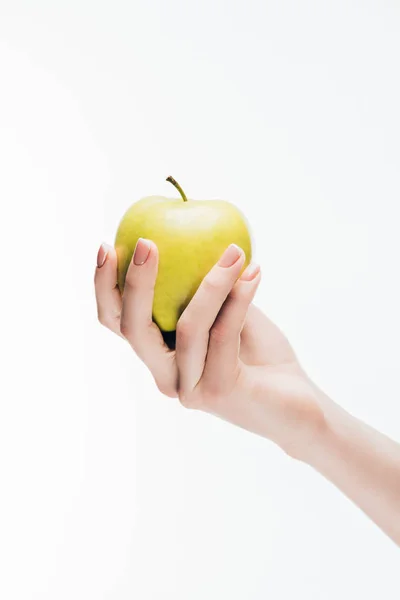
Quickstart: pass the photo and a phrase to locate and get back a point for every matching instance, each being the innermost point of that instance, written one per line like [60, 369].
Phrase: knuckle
[133, 279]
[101, 318]
[184, 401]
[211, 284]
[126, 328]
[189, 400]
[184, 329]
[166, 389]
[130, 281]
[105, 319]
[240, 295]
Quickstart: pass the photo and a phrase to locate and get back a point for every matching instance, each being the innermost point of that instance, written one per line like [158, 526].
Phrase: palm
[262, 343]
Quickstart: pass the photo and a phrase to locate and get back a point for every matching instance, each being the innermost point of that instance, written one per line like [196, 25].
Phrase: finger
[197, 319]
[222, 360]
[136, 318]
[108, 297]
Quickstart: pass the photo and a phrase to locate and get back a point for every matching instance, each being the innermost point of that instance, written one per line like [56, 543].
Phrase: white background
[291, 111]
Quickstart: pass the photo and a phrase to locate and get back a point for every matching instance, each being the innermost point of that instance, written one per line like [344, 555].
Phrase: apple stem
[178, 187]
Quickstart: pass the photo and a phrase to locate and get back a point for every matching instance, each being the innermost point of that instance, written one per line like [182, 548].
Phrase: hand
[230, 359]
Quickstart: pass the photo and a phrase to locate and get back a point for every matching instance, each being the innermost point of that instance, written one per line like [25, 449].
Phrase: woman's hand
[230, 360]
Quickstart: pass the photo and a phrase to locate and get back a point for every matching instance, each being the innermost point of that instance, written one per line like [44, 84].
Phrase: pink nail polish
[142, 252]
[251, 272]
[230, 256]
[102, 255]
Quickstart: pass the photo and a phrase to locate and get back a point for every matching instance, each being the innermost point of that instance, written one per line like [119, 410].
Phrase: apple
[191, 235]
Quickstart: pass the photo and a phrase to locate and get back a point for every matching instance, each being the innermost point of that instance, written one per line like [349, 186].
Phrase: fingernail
[142, 251]
[251, 272]
[230, 256]
[102, 255]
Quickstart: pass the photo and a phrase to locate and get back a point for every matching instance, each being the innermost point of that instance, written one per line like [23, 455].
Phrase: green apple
[191, 235]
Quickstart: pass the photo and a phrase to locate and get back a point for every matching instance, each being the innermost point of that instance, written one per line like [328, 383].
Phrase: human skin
[231, 361]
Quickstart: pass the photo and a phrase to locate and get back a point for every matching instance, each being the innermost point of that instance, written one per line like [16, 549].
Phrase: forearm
[363, 463]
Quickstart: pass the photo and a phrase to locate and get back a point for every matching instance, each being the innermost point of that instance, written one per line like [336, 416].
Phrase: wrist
[335, 432]
[322, 431]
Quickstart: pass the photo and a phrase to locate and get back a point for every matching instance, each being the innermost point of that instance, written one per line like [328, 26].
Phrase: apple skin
[191, 237]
